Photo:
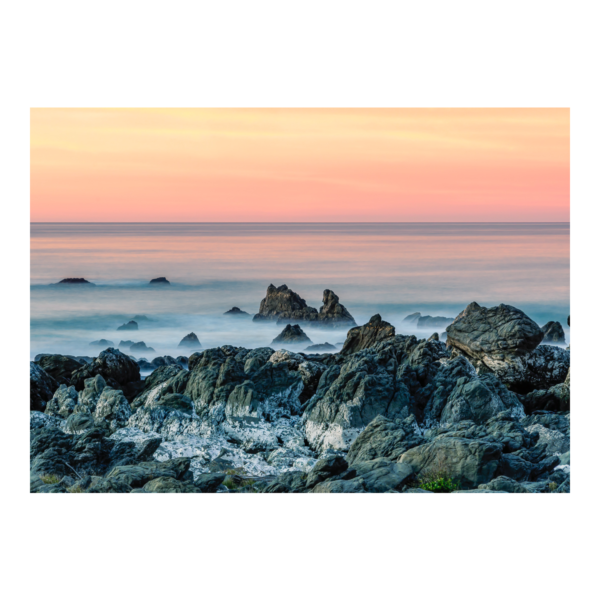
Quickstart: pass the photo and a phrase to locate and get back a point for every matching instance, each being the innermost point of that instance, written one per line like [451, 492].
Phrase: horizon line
[295, 222]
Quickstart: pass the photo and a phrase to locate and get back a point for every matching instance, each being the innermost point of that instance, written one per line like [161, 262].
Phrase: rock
[504, 484]
[326, 468]
[333, 313]
[236, 312]
[292, 334]
[141, 319]
[59, 367]
[78, 422]
[428, 322]
[115, 367]
[434, 337]
[170, 485]
[39, 419]
[383, 438]
[102, 343]
[63, 402]
[553, 332]
[326, 347]
[383, 475]
[140, 347]
[470, 462]
[138, 475]
[131, 326]
[283, 303]
[41, 387]
[73, 281]
[160, 281]
[125, 345]
[354, 486]
[112, 408]
[368, 335]
[190, 341]
[174, 402]
[412, 319]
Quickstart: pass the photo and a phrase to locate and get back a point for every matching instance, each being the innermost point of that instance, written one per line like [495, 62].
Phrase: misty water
[390, 269]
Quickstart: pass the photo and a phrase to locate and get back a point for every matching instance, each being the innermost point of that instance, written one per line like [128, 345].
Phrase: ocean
[393, 269]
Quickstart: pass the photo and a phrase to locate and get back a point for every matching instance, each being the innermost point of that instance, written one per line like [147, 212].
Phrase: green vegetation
[552, 486]
[50, 478]
[438, 482]
[234, 481]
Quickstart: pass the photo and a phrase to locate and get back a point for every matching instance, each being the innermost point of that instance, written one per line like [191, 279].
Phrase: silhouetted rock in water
[131, 326]
[434, 336]
[140, 347]
[125, 345]
[141, 318]
[569, 320]
[73, 281]
[367, 335]
[190, 341]
[285, 306]
[59, 367]
[115, 367]
[41, 387]
[236, 312]
[333, 313]
[160, 281]
[103, 343]
[144, 364]
[292, 334]
[553, 332]
[326, 347]
[428, 322]
[412, 319]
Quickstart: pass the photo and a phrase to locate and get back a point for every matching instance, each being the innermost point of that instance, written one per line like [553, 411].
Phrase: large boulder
[368, 335]
[333, 313]
[63, 402]
[281, 303]
[112, 408]
[292, 334]
[553, 333]
[41, 387]
[115, 367]
[470, 462]
[58, 366]
[160, 281]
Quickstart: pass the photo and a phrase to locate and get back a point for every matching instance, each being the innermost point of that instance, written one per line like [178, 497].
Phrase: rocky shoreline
[485, 411]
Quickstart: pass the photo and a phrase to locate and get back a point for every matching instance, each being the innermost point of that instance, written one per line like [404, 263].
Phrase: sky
[299, 165]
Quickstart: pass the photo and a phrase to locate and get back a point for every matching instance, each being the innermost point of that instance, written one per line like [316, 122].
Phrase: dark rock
[131, 326]
[283, 303]
[114, 366]
[340, 486]
[326, 468]
[59, 367]
[236, 312]
[170, 485]
[63, 402]
[141, 319]
[434, 337]
[103, 343]
[125, 344]
[139, 347]
[326, 347]
[383, 475]
[139, 474]
[515, 467]
[504, 484]
[160, 281]
[41, 387]
[412, 319]
[553, 332]
[367, 335]
[190, 341]
[333, 313]
[428, 322]
[175, 402]
[292, 334]
[73, 281]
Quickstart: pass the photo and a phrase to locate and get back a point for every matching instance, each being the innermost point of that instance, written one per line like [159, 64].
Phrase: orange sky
[200, 165]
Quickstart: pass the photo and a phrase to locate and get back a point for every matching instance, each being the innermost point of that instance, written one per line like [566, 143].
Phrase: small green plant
[439, 485]
[552, 486]
[50, 478]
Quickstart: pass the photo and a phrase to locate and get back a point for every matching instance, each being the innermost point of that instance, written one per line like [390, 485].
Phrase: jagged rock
[292, 334]
[125, 344]
[412, 319]
[160, 281]
[333, 313]
[39, 419]
[74, 281]
[102, 343]
[131, 326]
[112, 408]
[137, 475]
[471, 462]
[41, 387]
[504, 484]
[383, 438]
[139, 347]
[63, 402]
[326, 468]
[59, 367]
[326, 347]
[428, 322]
[236, 312]
[383, 475]
[367, 335]
[434, 337]
[190, 341]
[553, 332]
[114, 366]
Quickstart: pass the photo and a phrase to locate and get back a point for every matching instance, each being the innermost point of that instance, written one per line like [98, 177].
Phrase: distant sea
[393, 269]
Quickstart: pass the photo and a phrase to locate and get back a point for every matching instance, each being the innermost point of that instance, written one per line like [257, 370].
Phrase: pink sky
[307, 165]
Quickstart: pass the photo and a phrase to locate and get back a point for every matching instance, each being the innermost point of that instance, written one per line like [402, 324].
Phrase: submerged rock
[553, 332]
[131, 326]
[140, 347]
[292, 334]
[412, 319]
[160, 281]
[190, 341]
[103, 343]
[236, 312]
[74, 281]
[367, 335]
[326, 347]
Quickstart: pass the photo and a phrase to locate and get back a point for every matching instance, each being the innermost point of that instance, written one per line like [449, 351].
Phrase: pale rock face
[63, 402]
[113, 408]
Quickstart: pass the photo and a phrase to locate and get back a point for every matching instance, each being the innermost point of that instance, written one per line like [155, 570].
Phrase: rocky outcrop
[125, 344]
[140, 347]
[59, 367]
[141, 319]
[412, 319]
[326, 347]
[114, 366]
[283, 305]
[160, 281]
[368, 335]
[102, 343]
[74, 281]
[292, 334]
[236, 312]
[190, 341]
[428, 322]
[41, 387]
[130, 326]
[553, 332]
